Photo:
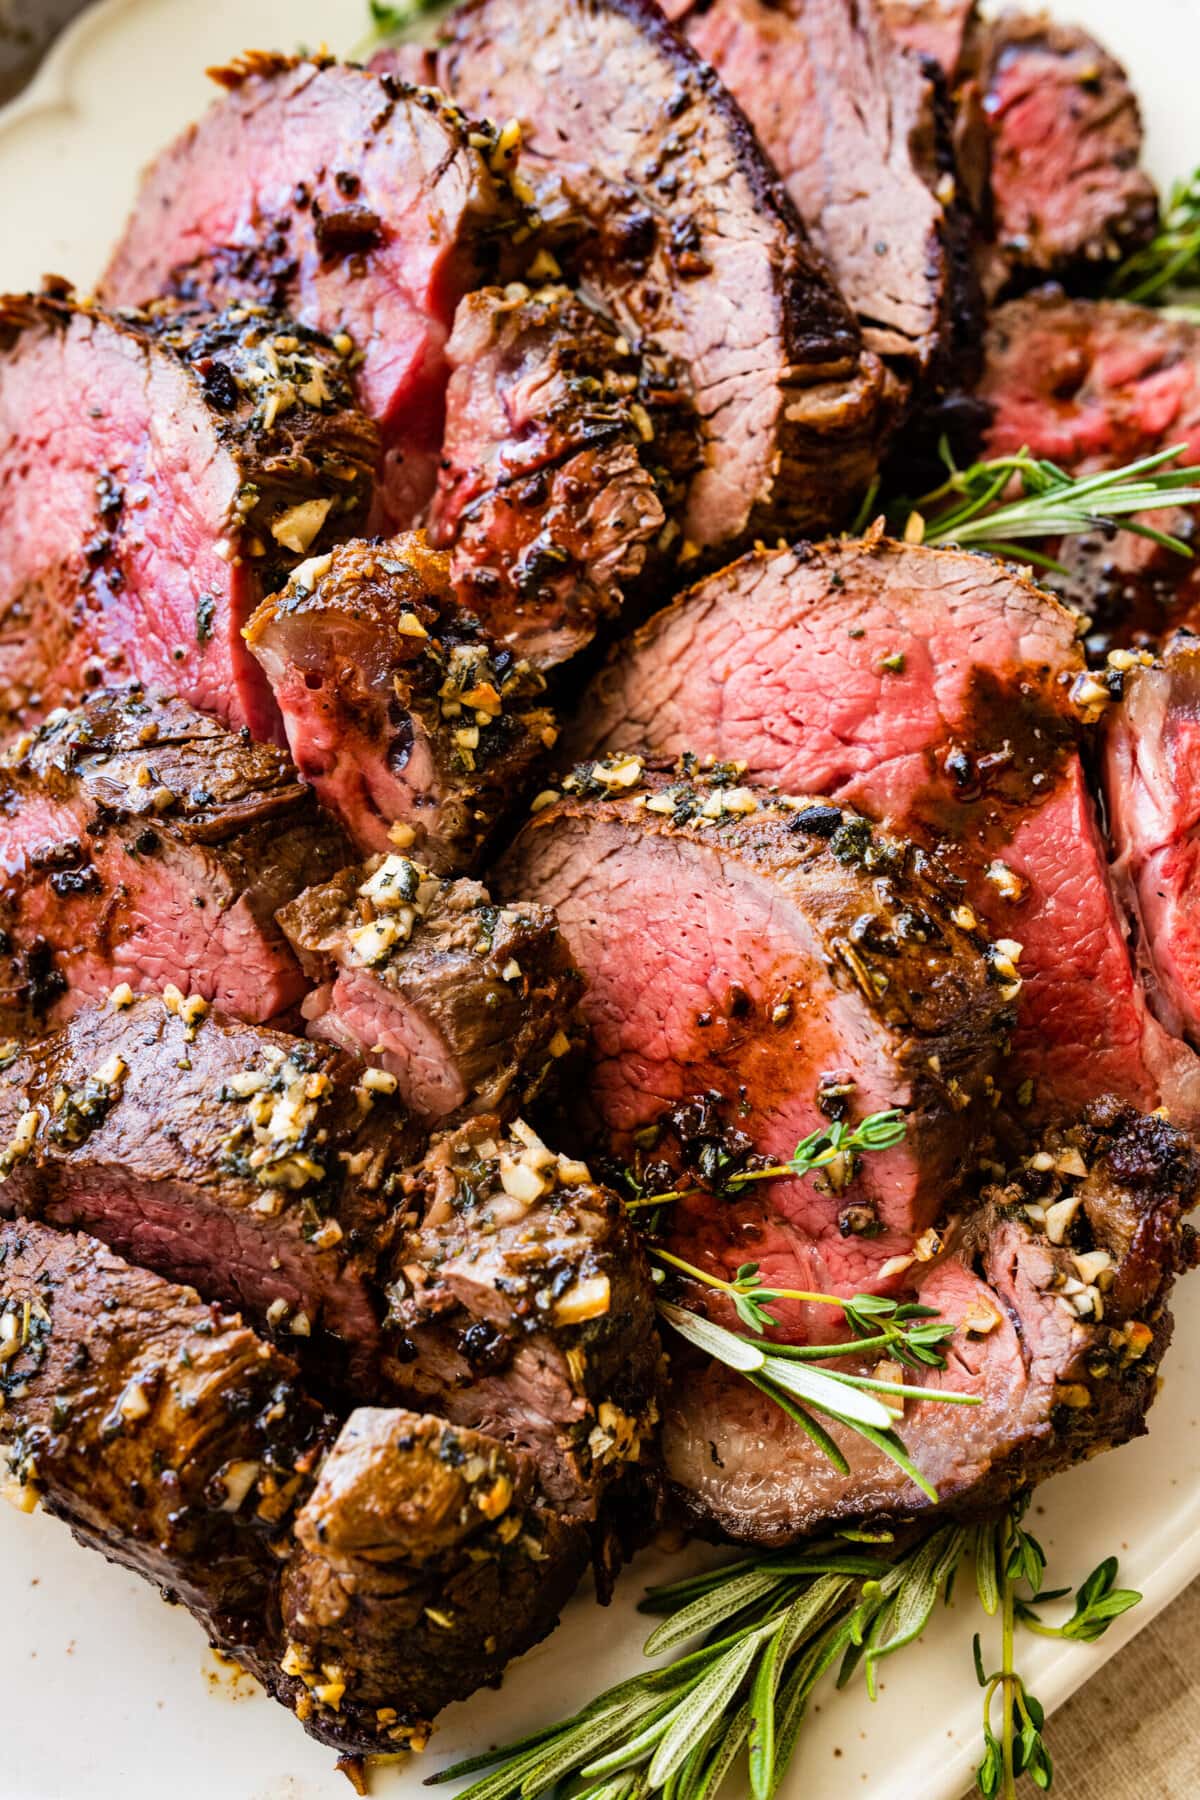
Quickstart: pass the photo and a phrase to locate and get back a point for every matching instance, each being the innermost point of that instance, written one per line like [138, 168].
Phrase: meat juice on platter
[549, 998]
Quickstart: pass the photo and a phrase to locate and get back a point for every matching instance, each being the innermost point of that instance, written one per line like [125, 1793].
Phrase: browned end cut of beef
[1151, 776]
[414, 730]
[163, 1431]
[687, 240]
[159, 474]
[1068, 193]
[787, 957]
[521, 1303]
[424, 1564]
[366, 1580]
[1059, 1291]
[561, 447]
[365, 206]
[854, 126]
[143, 843]
[261, 1168]
[942, 694]
[1093, 385]
[466, 1005]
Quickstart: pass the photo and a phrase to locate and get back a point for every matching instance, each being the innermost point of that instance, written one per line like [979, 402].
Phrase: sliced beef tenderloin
[1093, 385]
[685, 237]
[467, 1005]
[1058, 1289]
[163, 1431]
[1151, 776]
[937, 29]
[522, 1303]
[159, 473]
[144, 844]
[365, 206]
[855, 127]
[941, 694]
[425, 1563]
[785, 956]
[261, 1168]
[415, 730]
[366, 1579]
[556, 463]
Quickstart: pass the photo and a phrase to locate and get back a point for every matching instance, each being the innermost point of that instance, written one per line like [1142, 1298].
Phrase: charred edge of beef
[144, 843]
[416, 730]
[522, 1303]
[565, 449]
[147, 567]
[261, 1168]
[469, 1006]
[798, 399]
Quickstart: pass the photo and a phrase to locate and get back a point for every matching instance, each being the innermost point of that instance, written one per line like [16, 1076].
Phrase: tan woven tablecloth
[1133, 1733]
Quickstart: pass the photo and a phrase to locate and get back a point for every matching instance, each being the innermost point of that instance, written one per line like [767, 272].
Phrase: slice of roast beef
[1093, 385]
[425, 1562]
[782, 954]
[561, 447]
[1152, 798]
[937, 29]
[854, 125]
[1059, 1291]
[415, 730]
[685, 237]
[521, 1303]
[467, 1005]
[145, 844]
[365, 206]
[159, 474]
[365, 1585]
[258, 1167]
[942, 694]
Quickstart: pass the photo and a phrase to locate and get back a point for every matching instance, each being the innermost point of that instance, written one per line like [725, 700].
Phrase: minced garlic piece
[121, 996]
[296, 528]
[589, 1298]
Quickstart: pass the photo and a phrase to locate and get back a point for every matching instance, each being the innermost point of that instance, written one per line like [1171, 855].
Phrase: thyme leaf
[1172, 257]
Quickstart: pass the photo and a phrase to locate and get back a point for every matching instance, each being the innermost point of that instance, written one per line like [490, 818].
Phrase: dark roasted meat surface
[561, 447]
[367, 1578]
[415, 730]
[260, 1168]
[143, 843]
[159, 474]
[521, 1303]
[938, 693]
[467, 1004]
[362, 205]
[855, 127]
[1059, 1287]
[684, 236]
[786, 956]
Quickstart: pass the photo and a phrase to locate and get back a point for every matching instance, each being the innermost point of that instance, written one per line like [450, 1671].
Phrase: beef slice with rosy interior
[467, 1005]
[521, 1303]
[145, 844]
[1058, 1289]
[941, 694]
[365, 206]
[771, 952]
[1151, 775]
[676, 223]
[147, 521]
[415, 730]
[563, 454]
[1093, 385]
[856, 129]
[259, 1167]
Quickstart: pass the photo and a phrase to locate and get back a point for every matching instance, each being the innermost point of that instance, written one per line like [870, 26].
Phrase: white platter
[113, 1692]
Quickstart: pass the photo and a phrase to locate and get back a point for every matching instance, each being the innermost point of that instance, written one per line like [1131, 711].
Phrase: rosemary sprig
[836, 1143]
[969, 508]
[1172, 257]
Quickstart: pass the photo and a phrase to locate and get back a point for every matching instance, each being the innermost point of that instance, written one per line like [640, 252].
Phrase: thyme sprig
[1172, 257]
[393, 21]
[970, 509]
[839, 1143]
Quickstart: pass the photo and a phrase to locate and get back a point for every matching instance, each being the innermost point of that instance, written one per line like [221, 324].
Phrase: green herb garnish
[1172, 257]
[838, 1143]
